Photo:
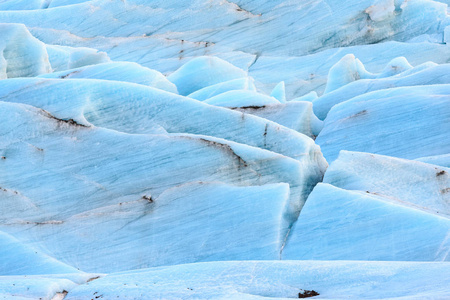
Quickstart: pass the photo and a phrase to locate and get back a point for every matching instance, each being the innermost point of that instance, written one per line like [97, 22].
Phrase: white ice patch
[381, 10]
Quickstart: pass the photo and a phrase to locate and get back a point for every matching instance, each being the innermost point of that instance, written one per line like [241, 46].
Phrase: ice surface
[407, 122]
[358, 225]
[72, 169]
[165, 36]
[45, 287]
[19, 259]
[275, 279]
[423, 186]
[22, 5]
[193, 222]
[106, 168]
[241, 98]
[440, 160]
[311, 96]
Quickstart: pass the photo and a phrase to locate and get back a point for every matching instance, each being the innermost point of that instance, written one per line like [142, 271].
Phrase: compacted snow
[224, 149]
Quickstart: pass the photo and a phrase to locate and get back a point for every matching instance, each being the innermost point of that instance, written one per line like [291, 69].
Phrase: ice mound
[204, 71]
[22, 55]
[119, 71]
[396, 66]
[219, 88]
[337, 224]
[65, 58]
[407, 122]
[424, 74]
[347, 70]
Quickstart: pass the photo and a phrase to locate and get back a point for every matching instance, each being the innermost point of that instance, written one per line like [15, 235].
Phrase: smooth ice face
[426, 74]
[355, 225]
[277, 279]
[410, 122]
[119, 71]
[202, 72]
[279, 92]
[423, 186]
[194, 222]
[21, 259]
[22, 55]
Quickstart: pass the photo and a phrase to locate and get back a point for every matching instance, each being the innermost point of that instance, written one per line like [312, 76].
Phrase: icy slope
[423, 186]
[406, 122]
[73, 168]
[356, 225]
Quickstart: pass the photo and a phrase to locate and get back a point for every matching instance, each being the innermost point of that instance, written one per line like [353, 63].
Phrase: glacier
[224, 149]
